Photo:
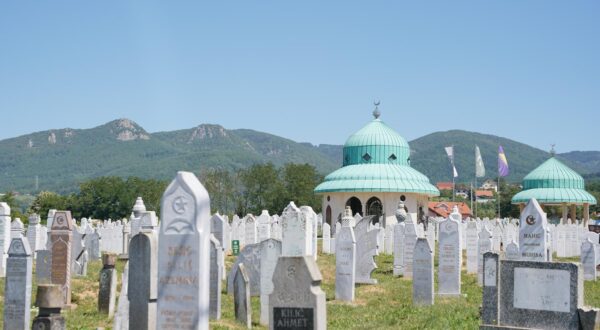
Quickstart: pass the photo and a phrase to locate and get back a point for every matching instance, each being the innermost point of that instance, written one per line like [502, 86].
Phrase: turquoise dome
[554, 182]
[376, 159]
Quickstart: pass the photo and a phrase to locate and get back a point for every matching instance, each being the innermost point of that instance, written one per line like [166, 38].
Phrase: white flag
[479, 168]
[450, 153]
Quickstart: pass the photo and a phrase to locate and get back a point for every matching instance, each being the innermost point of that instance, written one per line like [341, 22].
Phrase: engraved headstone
[366, 249]
[472, 232]
[107, 289]
[17, 286]
[410, 239]
[241, 296]
[34, 234]
[184, 255]
[484, 244]
[296, 232]
[345, 262]
[399, 249]
[512, 251]
[142, 290]
[588, 260]
[79, 254]
[311, 220]
[496, 238]
[270, 251]
[251, 232]
[532, 233]
[16, 228]
[450, 259]
[43, 266]
[264, 226]
[216, 258]
[297, 301]
[249, 256]
[4, 235]
[61, 234]
[422, 273]
[489, 306]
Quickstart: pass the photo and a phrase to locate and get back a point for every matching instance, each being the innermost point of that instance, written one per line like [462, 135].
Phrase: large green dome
[376, 159]
[552, 183]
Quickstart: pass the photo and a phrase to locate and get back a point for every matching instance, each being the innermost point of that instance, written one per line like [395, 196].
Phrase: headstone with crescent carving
[184, 255]
[450, 258]
[61, 236]
[296, 232]
[17, 289]
[532, 233]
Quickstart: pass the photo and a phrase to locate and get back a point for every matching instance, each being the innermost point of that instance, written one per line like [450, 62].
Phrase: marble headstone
[241, 296]
[17, 286]
[366, 250]
[532, 233]
[410, 239]
[249, 256]
[270, 251]
[512, 251]
[422, 273]
[61, 234]
[450, 259]
[483, 245]
[184, 255]
[297, 301]
[216, 277]
[471, 245]
[296, 232]
[326, 238]
[588, 260]
[345, 263]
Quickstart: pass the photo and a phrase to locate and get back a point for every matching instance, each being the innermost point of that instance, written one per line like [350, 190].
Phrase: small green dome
[554, 182]
[376, 143]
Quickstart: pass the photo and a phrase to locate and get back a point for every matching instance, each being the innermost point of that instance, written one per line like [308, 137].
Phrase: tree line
[259, 187]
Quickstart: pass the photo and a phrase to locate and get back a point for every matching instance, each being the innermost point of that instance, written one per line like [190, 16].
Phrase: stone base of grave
[500, 327]
[451, 295]
[589, 318]
[55, 321]
[123, 256]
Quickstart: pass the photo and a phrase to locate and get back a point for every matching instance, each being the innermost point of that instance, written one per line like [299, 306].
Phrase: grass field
[387, 305]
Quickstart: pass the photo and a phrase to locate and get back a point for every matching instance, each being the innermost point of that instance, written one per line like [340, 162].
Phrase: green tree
[299, 181]
[46, 200]
[10, 198]
[262, 190]
[220, 186]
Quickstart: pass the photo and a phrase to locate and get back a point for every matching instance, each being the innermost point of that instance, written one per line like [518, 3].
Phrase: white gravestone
[17, 288]
[326, 238]
[250, 231]
[532, 233]
[184, 255]
[311, 219]
[423, 273]
[366, 249]
[296, 232]
[472, 232]
[270, 251]
[512, 251]
[345, 263]
[450, 258]
[588, 260]
[410, 239]
[483, 245]
[264, 226]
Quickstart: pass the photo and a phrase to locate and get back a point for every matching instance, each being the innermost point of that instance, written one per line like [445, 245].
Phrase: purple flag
[502, 162]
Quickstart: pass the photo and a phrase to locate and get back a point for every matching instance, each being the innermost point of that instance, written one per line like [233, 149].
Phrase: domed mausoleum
[554, 183]
[375, 176]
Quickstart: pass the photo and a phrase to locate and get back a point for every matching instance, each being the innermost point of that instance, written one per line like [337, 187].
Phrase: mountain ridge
[61, 158]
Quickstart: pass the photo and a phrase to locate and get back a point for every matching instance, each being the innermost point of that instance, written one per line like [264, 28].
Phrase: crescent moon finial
[376, 112]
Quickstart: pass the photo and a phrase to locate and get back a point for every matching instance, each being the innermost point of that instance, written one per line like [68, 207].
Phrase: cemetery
[377, 262]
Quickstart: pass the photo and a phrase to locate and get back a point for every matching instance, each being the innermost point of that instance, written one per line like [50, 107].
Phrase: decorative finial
[376, 112]
[552, 150]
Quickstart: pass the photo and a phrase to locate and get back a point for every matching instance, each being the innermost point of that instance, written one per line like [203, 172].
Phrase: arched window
[328, 215]
[375, 207]
[355, 205]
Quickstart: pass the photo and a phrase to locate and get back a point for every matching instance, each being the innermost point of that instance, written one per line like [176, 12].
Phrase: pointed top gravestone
[270, 251]
[483, 245]
[345, 262]
[366, 250]
[17, 294]
[296, 232]
[450, 258]
[61, 234]
[249, 256]
[422, 273]
[410, 239]
[184, 255]
[532, 233]
[263, 226]
[16, 228]
[4, 209]
[401, 212]
[217, 228]
[512, 251]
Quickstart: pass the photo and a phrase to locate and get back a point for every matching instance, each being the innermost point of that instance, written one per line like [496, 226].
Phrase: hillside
[62, 158]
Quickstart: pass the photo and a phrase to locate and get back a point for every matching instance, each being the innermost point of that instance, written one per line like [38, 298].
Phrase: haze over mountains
[61, 158]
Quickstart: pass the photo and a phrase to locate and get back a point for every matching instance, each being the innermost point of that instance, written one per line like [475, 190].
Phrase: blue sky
[308, 71]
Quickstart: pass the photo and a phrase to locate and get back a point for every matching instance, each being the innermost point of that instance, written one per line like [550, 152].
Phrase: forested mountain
[59, 159]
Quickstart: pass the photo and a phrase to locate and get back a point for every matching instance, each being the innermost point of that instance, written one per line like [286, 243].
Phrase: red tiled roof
[443, 209]
[444, 185]
[484, 193]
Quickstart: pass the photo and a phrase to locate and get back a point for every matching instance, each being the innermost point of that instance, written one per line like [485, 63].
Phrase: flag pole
[475, 196]
[498, 195]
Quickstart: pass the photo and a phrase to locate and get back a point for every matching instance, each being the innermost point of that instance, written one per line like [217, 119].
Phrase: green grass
[387, 305]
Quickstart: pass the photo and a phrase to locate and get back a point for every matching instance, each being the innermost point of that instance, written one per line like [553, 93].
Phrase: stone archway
[328, 215]
[355, 204]
[375, 207]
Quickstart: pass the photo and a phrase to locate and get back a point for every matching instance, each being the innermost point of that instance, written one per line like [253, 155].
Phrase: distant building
[444, 186]
[484, 196]
[463, 192]
[443, 209]
[490, 184]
